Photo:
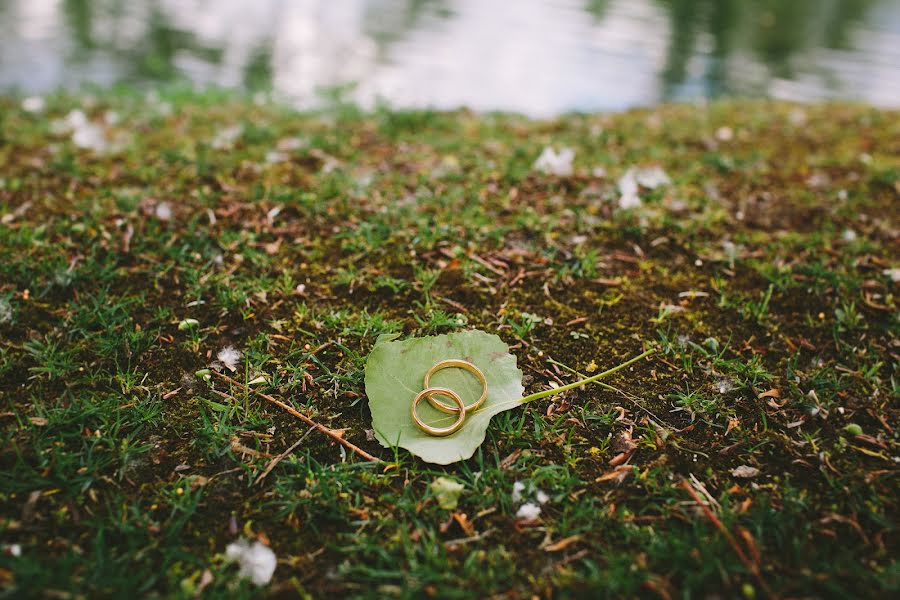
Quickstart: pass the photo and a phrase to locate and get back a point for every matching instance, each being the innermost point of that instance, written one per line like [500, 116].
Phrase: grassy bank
[765, 274]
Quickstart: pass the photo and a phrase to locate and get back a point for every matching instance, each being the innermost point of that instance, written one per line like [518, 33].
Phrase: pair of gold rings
[460, 409]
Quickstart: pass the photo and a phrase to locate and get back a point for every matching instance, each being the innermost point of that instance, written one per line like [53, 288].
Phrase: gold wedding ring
[440, 431]
[459, 364]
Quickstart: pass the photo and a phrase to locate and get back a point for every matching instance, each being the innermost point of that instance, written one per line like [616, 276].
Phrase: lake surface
[539, 57]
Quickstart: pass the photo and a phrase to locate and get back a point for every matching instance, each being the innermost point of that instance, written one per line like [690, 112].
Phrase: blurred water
[539, 57]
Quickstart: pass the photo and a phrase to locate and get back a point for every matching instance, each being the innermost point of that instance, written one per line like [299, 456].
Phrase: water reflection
[534, 56]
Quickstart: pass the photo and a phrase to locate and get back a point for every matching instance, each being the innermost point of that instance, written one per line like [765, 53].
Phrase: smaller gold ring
[459, 364]
[439, 431]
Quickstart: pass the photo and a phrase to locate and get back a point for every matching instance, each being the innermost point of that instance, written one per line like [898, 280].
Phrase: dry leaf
[623, 443]
[745, 471]
[463, 520]
[619, 473]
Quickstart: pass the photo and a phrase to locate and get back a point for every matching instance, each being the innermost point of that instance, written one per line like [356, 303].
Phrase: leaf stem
[572, 386]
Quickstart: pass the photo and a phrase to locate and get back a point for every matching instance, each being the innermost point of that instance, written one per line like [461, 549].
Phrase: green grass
[121, 469]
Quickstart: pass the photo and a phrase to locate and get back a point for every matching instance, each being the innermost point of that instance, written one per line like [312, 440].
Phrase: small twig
[281, 457]
[469, 540]
[698, 485]
[571, 558]
[220, 473]
[319, 349]
[452, 303]
[749, 564]
[330, 433]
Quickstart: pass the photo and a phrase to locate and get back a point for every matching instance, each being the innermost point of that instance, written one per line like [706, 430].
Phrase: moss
[776, 330]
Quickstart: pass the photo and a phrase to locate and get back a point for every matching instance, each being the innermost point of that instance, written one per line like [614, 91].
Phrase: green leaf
[447, 492]
[188, 324]
[853, 429]
[394, 372]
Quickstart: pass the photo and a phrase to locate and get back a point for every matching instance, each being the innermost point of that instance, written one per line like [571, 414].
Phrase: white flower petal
[229, 356]
[225, 138]
[529, 512]
[627, 201]
[163, 211]
[552, 162]
[256, 560]
[518, 488]
[33, 104]
[652, 177]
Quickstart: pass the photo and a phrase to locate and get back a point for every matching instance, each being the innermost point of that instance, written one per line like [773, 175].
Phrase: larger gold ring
[439, 431]
[460, 364]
